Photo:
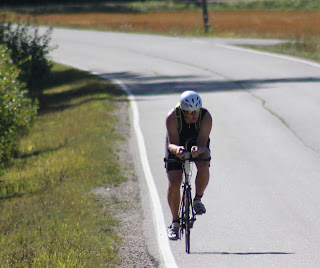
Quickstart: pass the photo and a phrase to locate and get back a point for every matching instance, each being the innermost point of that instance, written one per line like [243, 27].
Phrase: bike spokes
[188, 210]
[187, 215]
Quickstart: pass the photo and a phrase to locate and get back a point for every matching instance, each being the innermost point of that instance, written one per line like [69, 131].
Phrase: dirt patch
[270, 24]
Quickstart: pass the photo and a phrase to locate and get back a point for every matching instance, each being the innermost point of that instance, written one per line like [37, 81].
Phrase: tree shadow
[58, 78]
[160, 85]
[143, 85]
[59, 101]
[39, 152]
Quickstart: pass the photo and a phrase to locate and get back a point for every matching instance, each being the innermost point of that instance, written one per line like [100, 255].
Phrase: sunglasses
[193, 112]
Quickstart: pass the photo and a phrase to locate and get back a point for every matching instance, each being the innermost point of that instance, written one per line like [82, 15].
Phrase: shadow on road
[140, 84]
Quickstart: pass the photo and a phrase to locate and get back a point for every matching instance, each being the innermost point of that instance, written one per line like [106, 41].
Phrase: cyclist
[188, 120]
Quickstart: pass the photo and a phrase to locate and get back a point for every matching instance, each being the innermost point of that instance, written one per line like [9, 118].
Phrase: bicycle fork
[186, 210]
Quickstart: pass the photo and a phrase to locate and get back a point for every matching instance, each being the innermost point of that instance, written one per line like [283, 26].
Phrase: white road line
[157, 209]
[314, 64]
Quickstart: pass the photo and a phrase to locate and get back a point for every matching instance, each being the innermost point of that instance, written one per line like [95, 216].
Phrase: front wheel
[187, 204]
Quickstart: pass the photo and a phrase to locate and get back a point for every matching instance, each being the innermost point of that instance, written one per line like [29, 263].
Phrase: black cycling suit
[188, 132]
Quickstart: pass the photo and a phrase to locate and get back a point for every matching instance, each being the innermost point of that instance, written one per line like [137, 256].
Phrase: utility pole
[205, 16]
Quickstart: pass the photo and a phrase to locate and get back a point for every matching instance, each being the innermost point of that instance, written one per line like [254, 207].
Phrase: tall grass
[302, 27]
[49, 216]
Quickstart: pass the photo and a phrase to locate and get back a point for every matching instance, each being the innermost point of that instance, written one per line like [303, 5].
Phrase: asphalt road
[263, 202]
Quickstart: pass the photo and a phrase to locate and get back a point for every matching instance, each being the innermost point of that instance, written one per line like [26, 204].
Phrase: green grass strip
[307, 49]
[49, 216]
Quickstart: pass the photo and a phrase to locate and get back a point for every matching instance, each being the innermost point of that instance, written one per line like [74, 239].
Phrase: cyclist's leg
[202, 180]
[203, 174]
[173, 194]
[174, 174]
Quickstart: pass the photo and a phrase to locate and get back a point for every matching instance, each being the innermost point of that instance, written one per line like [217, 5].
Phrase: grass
[266, 24]
[301, 27]
[151, 6]
[308, 49]
[49, 215]
[270, 5]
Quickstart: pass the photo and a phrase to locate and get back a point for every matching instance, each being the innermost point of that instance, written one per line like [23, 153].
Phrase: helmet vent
[190, 101]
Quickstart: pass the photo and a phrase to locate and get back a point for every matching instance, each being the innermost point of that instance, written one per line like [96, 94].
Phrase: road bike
[187, 215]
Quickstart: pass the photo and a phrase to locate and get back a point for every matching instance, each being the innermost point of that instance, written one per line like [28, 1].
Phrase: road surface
[263, 202]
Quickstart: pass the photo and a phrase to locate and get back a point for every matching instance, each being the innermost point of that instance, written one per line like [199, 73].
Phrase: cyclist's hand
[195, 151]
[180, 151]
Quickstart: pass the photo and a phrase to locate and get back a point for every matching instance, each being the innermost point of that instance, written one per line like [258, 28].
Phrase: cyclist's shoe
[173, 231]
[199, 207]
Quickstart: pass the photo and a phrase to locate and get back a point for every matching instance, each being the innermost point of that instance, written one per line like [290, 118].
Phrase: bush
[16, 108]
[29, 51]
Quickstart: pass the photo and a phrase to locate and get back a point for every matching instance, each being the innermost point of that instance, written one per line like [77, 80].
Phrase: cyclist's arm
[203, 136]
[173, 135]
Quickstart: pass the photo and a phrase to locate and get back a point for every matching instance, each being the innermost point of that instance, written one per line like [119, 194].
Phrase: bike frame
[187, 215]
[186, 211]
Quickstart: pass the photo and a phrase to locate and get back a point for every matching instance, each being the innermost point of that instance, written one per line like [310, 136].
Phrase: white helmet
[190, 101]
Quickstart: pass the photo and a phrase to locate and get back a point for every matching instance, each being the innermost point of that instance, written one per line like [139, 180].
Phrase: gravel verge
[125, 202]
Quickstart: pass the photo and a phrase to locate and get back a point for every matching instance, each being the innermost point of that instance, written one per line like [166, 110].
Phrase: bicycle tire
[187, 204]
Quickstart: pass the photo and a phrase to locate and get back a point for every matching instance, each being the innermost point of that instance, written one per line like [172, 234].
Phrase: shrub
[29, 51]
[16, 108]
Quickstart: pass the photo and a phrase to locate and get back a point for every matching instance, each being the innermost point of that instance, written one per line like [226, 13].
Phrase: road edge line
[158, 217]
[275, 55]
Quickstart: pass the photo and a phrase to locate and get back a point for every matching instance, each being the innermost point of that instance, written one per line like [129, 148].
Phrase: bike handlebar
[190, 158]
